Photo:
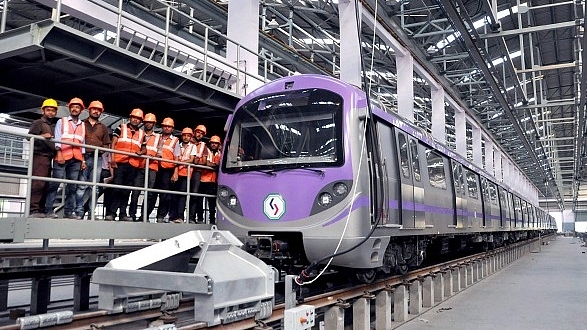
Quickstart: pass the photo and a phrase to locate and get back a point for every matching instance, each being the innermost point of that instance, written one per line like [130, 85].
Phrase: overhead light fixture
[272, 25]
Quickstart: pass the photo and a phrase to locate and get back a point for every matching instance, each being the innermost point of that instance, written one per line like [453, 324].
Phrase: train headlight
[232, 201]
[325, 199]
[223, 192]
[340, 189]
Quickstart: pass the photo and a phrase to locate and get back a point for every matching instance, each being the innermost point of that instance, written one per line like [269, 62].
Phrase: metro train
[312, 169]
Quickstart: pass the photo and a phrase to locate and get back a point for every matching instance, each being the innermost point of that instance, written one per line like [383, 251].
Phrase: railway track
[482, 264]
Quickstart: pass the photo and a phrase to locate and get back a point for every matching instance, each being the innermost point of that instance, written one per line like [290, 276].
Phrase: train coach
[313, 172]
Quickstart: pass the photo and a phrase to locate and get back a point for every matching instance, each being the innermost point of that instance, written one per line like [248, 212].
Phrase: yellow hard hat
[49, 103]
[150, 118]
[215, 138]
[201, 128]
[168, 122]
[76, 100]
[187, 130]
[96, 105]
[137, 113]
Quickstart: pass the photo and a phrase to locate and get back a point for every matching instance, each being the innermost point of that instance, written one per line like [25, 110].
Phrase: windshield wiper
[321, 172]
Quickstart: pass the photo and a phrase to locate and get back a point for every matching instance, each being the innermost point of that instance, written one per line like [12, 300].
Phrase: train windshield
[293, 129]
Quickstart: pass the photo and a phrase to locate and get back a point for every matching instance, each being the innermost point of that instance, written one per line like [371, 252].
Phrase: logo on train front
[274, 206]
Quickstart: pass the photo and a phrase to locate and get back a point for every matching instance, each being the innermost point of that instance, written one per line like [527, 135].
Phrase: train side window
[457, 177]
[436, 171]
[485, 189]
[472, 184]
[403, 154]
[415, 159]
[492, 192]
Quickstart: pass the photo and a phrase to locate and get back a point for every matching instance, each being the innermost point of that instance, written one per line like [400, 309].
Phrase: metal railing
[93, 184]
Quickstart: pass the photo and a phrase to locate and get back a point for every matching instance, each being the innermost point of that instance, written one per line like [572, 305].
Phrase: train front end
[288, 187]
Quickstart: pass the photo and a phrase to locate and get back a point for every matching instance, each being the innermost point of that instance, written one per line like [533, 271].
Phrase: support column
[242, 27]
[456, 279]
[40, 295]
[334, 318]
[448, 284]
[383, 310]
[415, 297]
[405, 86]
[81, 292]
[438, 115]
[477, 158]
[428, 292]
[362, 314]
[400, 305]
[489, 156]
[350, 49]
[464, 276]
[439, 287]
[470, 276]
[461, 132]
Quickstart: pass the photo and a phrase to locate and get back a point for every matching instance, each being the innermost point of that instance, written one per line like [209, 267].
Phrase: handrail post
[206, 36]
[118, 24]
[93, 199]
[146, 191]
[4, 16]
[27, 201]
[57, 13]
[167, 23]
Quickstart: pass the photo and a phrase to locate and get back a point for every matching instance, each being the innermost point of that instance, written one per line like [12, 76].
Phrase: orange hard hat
[49, 103]
[215, 138]
[76, 100]
[168, 122]
[150, 118]
[187, 130]
[97, 105]
[137, 113]
[201, 128]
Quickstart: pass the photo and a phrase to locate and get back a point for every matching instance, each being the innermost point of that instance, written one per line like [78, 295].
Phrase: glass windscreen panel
[286, 130]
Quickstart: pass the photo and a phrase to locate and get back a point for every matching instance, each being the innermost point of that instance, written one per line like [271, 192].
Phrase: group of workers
[129, 156]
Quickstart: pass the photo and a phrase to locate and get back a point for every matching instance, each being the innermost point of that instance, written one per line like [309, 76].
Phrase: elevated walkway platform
[542, 290]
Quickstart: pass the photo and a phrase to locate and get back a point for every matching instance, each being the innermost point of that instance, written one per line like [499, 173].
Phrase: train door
[460, 200]
[486, 202]
[439, 198]
[419, 214]
[518, 211]
[512, 220]
[503, 206]
[412, 192]
[474, 205]
[390, 168]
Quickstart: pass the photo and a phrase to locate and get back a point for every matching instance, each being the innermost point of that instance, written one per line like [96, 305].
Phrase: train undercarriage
[285, 251]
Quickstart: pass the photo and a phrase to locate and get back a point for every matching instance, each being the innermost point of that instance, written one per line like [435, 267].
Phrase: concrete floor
[544, 290]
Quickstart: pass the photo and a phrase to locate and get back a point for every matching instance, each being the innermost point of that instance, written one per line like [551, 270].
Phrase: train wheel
[402, 269]
[366, 275]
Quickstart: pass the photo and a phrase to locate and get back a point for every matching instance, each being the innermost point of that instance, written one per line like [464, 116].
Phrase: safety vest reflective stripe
[200, 147]
[211, 175]
[152, 143]
[69, 133]
[129, 142]
[186, 151]
[167, 151]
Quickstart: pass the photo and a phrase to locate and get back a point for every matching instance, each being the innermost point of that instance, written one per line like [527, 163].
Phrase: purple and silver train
[310, 170]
